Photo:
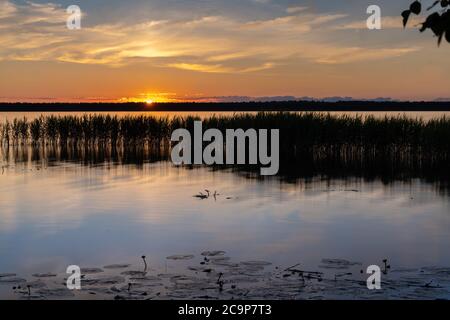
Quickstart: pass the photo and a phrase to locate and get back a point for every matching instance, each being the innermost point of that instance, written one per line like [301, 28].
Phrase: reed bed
[311, 144]
[300, 132]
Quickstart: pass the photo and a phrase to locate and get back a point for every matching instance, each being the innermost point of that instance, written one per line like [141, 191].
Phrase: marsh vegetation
[322, 133]
[311, 144]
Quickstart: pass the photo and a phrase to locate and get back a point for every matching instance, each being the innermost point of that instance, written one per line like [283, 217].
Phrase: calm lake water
[62, 214]
[54, 214]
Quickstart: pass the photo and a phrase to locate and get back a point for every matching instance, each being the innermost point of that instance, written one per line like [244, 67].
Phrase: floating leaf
[213, 253]
[12, 280]
[181, 257]
[133, 273]
[56, 293]
[38, 284]
[256, 263]
[105, 280]
[117, 266]
[91, 270]
[44, 275]
[3, 275]
[338, 264]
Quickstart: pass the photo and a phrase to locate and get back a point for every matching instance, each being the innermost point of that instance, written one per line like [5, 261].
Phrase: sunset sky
[169, 50]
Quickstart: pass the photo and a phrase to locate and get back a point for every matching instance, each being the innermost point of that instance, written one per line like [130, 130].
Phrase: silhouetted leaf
[440, 38]
[416, 7]
[405, 15]
[431, 22]
[438, 23]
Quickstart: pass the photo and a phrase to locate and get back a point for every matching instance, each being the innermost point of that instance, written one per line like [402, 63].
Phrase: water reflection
[94, 207]
[294, 167]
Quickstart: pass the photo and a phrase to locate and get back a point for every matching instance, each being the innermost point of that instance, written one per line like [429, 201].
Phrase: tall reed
[324, 135]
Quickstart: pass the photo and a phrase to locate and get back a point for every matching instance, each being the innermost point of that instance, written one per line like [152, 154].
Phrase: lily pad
[44, 275]
[181, 257]
[145, 278]
[338, 264]
[106, 280]
[133, 273]
[213, 253]
[56, 293]
[12, 280]
[3, 275]
[38, 284]
[91, 270]
[117, 266]
[256, 263]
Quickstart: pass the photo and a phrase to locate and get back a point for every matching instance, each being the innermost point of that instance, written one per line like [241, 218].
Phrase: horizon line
[253, 106]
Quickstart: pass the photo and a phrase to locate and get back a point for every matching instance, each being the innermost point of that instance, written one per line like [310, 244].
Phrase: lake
[59, 212]
[64, 214]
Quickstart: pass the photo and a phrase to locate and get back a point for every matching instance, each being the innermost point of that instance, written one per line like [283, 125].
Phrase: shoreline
[293, 106]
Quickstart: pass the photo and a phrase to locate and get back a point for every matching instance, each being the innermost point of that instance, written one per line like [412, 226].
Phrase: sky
[214, 50]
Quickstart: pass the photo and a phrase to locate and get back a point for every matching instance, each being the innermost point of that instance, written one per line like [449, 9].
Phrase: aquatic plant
[145, 263]
[304, 130]
[310, 143]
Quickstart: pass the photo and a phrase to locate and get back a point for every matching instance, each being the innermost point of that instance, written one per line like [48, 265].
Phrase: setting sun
[149, 101]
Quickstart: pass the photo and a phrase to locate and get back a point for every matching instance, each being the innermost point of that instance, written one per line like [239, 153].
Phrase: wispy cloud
[354, 54]
[7, 9]
[210, 44]
[387, 22]
[292, 10]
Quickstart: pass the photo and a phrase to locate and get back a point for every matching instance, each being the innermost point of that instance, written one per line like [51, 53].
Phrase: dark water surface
[57, 213]
[60, 208]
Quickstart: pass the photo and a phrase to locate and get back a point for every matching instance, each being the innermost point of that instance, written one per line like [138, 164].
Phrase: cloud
[211, 43]
[7, 9]
[388, 22]
[293, 10]
[200, 67]
[293, 23]
[218, 68]
[355, 54]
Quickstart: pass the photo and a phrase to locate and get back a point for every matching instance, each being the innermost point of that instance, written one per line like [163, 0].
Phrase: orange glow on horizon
[150, 98]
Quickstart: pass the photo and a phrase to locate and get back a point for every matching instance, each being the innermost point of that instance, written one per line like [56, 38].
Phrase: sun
[149, 101]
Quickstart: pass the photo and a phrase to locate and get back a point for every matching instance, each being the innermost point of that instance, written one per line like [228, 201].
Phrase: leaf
[405, 15]
[440, 38]
[416, 7]
[432, 22]
[447, 36]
